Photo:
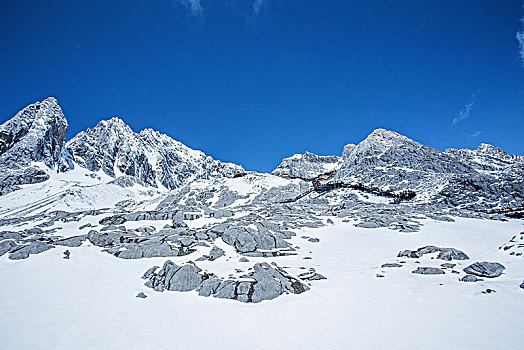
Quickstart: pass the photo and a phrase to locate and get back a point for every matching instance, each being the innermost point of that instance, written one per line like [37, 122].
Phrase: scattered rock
[448, 265]
[67, 254]
[470, 278]
[485, 269]
[141, 295]
[264, 283]
[314, 240]
[75, 241]
[311, 275]
[216, 253]
[391, 265]
[444, 253]
[242, 259]
[428, 271]
[23, 251]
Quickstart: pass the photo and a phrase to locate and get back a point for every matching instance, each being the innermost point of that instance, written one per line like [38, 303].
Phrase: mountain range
[32, 144]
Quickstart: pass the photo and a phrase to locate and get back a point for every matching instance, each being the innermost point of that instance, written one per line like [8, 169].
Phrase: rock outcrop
[263, 283]
[35, 134]
[307, 165]
[485, 269]
[153, 158]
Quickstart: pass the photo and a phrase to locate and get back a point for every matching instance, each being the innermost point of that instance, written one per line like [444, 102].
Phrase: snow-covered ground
[88, 301]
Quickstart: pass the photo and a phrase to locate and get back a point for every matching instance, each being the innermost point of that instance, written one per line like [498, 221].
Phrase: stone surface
[263, 283]
[391, 265]
[485, 269]
[470, 278]
[428, 271]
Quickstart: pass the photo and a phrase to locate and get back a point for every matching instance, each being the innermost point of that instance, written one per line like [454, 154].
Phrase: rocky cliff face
[153, 158]
[390, 160]
[475, 178]
[35, 134]
[306, 165]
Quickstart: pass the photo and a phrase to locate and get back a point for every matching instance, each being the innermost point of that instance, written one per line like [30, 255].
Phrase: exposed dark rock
[75, 241]
[470, 278]
[391, 265]
[23, 251]
[485, 269]
[428, 271]
[444, 253]
[448, 265]
[264, 283]
[141, 295]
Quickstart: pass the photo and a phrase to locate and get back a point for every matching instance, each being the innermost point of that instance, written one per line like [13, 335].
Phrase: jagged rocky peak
[487, 158]
[385, 148]
[306, 165]
[493, 151]
[36, 133]
[153, 158]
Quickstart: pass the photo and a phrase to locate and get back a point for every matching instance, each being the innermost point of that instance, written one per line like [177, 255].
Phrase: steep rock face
[306, 165]
[35, 134]
[384, 148]
[387, 159]
[487, 158]
[154, 158]
[390, 160]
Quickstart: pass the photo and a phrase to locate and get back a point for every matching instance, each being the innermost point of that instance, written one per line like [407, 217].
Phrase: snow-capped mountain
[32, 144]
[35, 134]
[152, 158]
[306, 165]
[485, 177]
[126, 216]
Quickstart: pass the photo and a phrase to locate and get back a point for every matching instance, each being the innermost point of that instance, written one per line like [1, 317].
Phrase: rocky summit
[219, 231]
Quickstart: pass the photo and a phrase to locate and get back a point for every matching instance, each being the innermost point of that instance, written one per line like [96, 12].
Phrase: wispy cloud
[475, 134]
[258, 6]
[465, 112]
[520, 38]
[253, 19]
[194, 7]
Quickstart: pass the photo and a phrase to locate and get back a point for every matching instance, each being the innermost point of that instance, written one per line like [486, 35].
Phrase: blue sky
[253, 81]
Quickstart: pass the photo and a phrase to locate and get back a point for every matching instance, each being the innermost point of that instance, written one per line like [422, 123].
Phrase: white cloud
[465, 112]
[520, 38]
[194, 7]
[258, 6]
[475, 134]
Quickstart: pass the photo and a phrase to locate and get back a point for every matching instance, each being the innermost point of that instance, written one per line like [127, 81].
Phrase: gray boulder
[6, 246]
[23, 252]
[216, 253]
[470, 278]
[485, 269]
[391, 265]
[428, 271]
[444, 253]
[75, 241]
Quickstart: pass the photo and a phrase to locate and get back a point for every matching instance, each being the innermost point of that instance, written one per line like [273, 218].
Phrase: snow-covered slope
[164, 242]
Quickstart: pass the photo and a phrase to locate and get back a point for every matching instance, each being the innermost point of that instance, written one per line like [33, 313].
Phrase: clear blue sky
[253, 81]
